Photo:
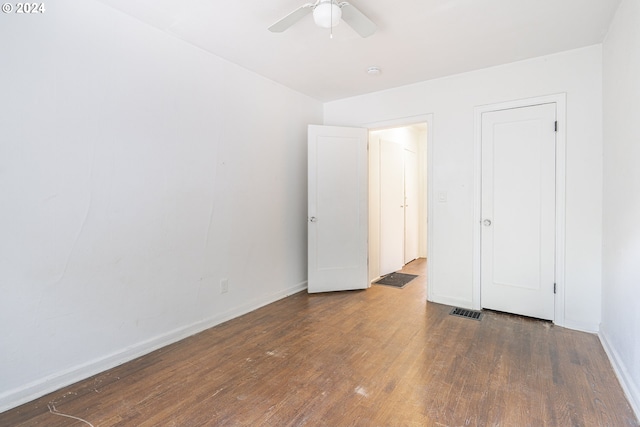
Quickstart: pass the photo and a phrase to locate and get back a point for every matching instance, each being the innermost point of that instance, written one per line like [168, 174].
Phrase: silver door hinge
[555, 126]
[555, 288]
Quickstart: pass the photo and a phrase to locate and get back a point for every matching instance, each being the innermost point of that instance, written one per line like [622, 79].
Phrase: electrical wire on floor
[54, 411]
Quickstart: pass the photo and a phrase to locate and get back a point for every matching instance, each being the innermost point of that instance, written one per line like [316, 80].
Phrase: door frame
[408, 121]
[560, 100]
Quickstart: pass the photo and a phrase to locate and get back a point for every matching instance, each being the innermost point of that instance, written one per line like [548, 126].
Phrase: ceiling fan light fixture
[327, 14]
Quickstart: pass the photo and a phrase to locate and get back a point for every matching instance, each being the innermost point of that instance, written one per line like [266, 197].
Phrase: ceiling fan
[327, 14]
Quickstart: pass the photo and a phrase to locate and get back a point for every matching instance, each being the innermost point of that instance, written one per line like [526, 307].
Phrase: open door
[337, 208]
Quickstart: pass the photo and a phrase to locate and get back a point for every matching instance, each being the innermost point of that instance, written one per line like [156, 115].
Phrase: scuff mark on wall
[85, 217]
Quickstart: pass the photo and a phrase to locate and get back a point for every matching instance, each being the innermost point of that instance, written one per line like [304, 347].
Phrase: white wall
[452, 101]
[136, 171]
[620, 329]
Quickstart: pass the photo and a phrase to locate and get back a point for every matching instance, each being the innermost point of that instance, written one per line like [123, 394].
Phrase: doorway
[397, 197]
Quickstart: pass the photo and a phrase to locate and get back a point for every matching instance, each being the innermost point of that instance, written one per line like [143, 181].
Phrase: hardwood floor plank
[380, 357]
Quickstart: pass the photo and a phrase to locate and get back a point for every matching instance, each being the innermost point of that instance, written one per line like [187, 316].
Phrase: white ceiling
[416, 39]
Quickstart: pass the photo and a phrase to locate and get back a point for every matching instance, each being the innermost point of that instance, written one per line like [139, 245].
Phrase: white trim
[407, 121]
[431, 260]
[624, 378]
[591, 328]
[398, 122]
[454, 302]
[560, 100]
[28, 392]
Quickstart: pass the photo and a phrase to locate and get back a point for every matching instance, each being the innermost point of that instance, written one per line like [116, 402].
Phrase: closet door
[411, 206]
[391, 207]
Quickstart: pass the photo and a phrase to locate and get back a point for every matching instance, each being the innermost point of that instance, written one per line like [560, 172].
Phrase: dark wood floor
[380, 357]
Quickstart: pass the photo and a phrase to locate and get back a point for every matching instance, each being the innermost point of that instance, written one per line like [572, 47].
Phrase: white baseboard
[452, 301]
[629, 387]
[51, 383]
[580, 326]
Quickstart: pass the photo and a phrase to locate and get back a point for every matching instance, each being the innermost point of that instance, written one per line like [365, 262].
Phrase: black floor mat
[397, 280]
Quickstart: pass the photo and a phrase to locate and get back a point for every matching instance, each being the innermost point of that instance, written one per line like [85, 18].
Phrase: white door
[518, 210]
[411, 196]
[337, 208]
[391, 207]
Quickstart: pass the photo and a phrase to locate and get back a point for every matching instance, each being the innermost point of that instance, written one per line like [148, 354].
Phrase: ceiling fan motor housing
[327, 14]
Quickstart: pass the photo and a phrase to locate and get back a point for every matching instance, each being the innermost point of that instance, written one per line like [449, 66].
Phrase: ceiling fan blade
[291, 18]
[357, 20]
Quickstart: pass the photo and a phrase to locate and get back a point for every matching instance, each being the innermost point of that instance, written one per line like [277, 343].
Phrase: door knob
[313, 219]
[486, 222]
